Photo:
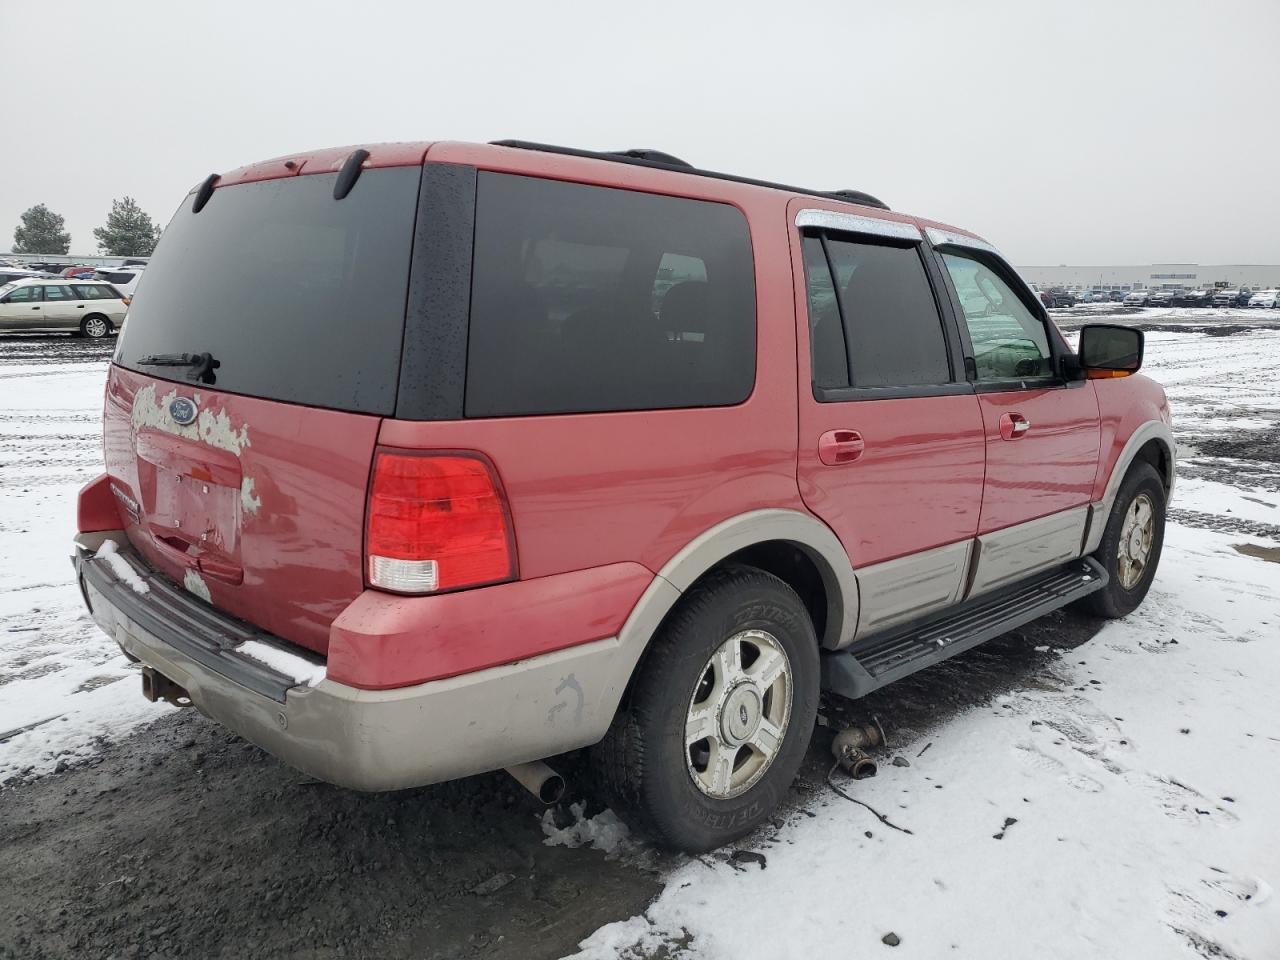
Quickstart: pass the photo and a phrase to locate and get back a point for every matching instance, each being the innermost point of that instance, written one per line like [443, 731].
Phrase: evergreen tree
[128, 231]
[41, 232]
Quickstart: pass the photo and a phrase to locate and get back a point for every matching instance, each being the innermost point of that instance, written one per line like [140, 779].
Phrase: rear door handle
[840, 446]
[1013, 426]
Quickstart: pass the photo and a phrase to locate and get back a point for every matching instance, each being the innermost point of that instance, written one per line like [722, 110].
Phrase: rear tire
[95, 326]
[1131, 544]
[737, 660]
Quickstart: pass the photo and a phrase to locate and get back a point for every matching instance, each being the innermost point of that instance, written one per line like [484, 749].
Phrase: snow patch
[299, 669]
[195, 584]
[120, 567]
[603, 832]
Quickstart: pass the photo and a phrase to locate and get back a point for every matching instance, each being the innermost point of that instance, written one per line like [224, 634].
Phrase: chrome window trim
[853, 223]
[939, 238]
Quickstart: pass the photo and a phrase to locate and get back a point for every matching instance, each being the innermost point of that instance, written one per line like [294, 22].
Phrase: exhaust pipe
[540, 780]
[850, 749]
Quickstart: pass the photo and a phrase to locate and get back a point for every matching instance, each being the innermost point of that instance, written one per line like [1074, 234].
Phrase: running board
[893, 654]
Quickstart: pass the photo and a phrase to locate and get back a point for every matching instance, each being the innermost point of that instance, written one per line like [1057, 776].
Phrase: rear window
[589, 299]
[298, 296]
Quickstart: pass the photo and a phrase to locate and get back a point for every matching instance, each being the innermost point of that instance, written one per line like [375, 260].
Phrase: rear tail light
[437, 522]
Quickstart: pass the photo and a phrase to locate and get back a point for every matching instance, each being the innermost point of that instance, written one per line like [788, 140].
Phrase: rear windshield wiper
[203, 363]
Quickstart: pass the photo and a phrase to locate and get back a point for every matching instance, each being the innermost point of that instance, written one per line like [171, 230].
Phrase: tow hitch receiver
[156, 686]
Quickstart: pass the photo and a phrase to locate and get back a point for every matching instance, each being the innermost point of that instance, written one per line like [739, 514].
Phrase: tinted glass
[1009, 341]
[22, 294]
[826, 334]
[893, 330]
[594, 299]
[57, 292]
[300, 297]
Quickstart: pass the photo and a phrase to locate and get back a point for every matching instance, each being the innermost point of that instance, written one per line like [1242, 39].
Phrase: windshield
[297, 296]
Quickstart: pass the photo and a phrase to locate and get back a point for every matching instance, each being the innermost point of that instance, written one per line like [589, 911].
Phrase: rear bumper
[362, 739]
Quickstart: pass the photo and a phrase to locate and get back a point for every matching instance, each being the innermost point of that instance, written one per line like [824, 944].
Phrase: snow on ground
[59, 675]
[1125, 804]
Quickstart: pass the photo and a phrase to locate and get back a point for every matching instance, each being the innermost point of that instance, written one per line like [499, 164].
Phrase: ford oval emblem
[183, 411]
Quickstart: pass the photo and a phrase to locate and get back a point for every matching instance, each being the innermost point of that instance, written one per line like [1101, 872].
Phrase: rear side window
[591, 299]
[298, 296]
[58, 292]
[891, 334]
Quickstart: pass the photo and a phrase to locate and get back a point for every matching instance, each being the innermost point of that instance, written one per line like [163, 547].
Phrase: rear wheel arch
[795, 547]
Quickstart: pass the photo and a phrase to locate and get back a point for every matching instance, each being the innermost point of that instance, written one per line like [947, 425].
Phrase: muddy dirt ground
[185, 841]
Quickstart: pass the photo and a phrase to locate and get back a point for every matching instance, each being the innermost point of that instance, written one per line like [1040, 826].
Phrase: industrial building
[1169, 276]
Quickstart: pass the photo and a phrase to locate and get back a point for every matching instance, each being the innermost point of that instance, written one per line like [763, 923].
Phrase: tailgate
[256, 506]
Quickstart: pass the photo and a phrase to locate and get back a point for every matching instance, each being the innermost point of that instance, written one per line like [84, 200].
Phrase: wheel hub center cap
[1135, 543]
[740, 715]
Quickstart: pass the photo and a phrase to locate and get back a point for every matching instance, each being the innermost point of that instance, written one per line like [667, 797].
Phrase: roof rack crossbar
[665, 161]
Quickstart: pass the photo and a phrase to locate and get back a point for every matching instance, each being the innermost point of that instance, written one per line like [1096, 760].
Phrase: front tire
[720, 715]
[1131, 544]
[95, 326]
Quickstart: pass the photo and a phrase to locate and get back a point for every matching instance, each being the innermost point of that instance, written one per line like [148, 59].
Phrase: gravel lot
[179, 839]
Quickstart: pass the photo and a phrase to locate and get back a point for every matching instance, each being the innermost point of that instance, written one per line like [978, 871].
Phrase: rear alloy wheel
[95, 326]
[720, 714]
[1131, 543]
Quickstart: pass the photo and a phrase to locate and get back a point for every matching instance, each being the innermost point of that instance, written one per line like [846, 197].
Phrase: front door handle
[840, 446]
[1013, 426]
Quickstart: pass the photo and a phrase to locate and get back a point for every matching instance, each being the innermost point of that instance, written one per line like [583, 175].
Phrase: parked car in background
[1095, 296]
[1136, 298]
[1195, 298]
[1265, 298]
[1058, 297]
[84, 307]
[75, 271]
[1116, 296]
[1161, 298]
[124, 279]
[1042, 295]
[10, 274]
[524, 506]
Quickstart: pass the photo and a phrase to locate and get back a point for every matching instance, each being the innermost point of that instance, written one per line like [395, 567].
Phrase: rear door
[1041, 430]
[59, 310]
[246, 482]
[891, 435]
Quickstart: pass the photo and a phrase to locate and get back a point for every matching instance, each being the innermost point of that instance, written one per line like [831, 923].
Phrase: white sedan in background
[1265, 298]
[86, 308]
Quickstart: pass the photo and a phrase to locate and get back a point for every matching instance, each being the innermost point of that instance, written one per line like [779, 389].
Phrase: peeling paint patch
[195, 584]
[212, 428]
[249, 501]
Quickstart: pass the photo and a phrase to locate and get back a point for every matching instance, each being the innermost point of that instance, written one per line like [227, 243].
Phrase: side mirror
[1108, 350]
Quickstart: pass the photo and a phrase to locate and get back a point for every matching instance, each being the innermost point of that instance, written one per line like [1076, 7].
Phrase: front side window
[873, 320]
[1009, 341]
[22, 295]
[592, 299]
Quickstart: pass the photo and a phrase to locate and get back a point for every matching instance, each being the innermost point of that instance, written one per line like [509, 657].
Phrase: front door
[891, 435]
[1041, 431]
[22, 308]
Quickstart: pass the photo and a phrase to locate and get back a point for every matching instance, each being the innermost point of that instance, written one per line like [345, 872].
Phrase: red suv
[427, 460]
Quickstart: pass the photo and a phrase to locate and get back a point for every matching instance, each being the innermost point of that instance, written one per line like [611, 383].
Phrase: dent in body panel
[911, 586]
[1004, 556]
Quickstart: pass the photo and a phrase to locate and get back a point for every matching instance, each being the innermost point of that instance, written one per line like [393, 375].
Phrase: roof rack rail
[657, 159]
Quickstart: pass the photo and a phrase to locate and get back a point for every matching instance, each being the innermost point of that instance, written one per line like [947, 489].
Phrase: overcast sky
[1081, 131]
